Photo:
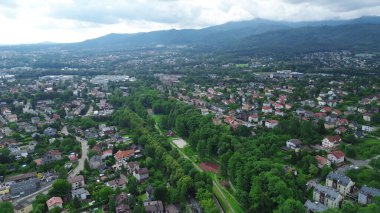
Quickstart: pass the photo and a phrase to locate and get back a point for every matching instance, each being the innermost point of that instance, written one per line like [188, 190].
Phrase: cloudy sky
[32, 21]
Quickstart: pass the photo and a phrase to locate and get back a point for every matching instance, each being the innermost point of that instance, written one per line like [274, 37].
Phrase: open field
[179, 142]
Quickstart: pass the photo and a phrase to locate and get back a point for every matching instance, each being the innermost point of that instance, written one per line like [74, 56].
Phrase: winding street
[84, 156]
[44, 190]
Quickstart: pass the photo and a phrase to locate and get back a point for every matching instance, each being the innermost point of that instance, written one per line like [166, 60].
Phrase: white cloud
[75, 20]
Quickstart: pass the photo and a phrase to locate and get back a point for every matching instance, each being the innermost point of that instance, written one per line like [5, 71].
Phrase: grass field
[142, 197]
[367, 149]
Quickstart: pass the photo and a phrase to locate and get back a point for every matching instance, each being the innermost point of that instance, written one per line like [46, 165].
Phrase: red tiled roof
[124, 154]
[338, 154]
[53, 201]
[334, 139]
[54, 152]
[321, 160]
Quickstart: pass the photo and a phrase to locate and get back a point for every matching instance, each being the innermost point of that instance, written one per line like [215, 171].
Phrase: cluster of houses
[337, 188]
[264, 104]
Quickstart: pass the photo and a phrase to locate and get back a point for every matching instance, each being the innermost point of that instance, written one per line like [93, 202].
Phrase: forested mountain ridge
[256, 36]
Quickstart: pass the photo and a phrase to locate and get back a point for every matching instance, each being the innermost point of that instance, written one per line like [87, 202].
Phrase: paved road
[84, 156]
[90, 111]
[45, 189]
[362, 163]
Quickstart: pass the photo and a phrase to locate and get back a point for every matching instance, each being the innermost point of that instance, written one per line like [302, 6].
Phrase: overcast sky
[32, 21]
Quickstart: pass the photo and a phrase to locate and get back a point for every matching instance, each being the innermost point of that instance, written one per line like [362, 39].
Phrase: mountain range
[257, 36]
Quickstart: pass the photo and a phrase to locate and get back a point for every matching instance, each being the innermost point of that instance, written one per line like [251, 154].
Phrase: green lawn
[367, 149]
[157, 118]
[142, 197]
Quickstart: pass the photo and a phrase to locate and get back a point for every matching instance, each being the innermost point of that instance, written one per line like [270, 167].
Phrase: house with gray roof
[327, 196]
[340, 182]
[154, 207]
[367, 193]
[314, 206]
[24, 188]
[80, 193]
[50, 132]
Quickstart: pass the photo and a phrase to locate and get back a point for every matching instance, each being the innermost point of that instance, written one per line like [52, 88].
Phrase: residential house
[331, 141]
[122, 197]
[312, 207]
[50, 132]
[54, 202]
[141, 174]
[77, 182]
[266, 109]
[294, 143]
[253, 118]
[154, 207]
[11, 118]
[367, 117]
[123, 208]
[106, 154]
[327, 196]
[116, 183]
[51, 155]
[35, 120]
[340, 130]
[336, 157]
[95, 162]
[271, 124]
[322, 161]
[80, 193]
[340, 182]
[367, 128]
[132, 166]
[367, 193]
[172, 209]
[123, 156]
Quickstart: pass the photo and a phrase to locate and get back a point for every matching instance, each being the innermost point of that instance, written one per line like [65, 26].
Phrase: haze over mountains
[254, 37]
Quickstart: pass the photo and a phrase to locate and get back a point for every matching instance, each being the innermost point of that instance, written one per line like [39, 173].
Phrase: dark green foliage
[6, 207]
[39, 204]
[61, 188]
[291, 206]
[365, 176]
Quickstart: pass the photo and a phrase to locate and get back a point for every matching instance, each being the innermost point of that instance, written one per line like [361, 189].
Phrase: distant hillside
[208, 36]
[257, 36]
[359, 37]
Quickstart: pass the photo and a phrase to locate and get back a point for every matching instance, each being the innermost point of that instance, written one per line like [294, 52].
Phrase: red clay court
[210, 167]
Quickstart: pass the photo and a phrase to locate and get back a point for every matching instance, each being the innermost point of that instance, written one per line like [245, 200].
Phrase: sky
[35, 21]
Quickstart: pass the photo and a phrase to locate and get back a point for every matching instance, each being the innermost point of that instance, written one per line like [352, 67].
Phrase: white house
[141, 174]
[331, 141]
[336, 157]
[366, 128]
[294, 143]
[271, 124]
